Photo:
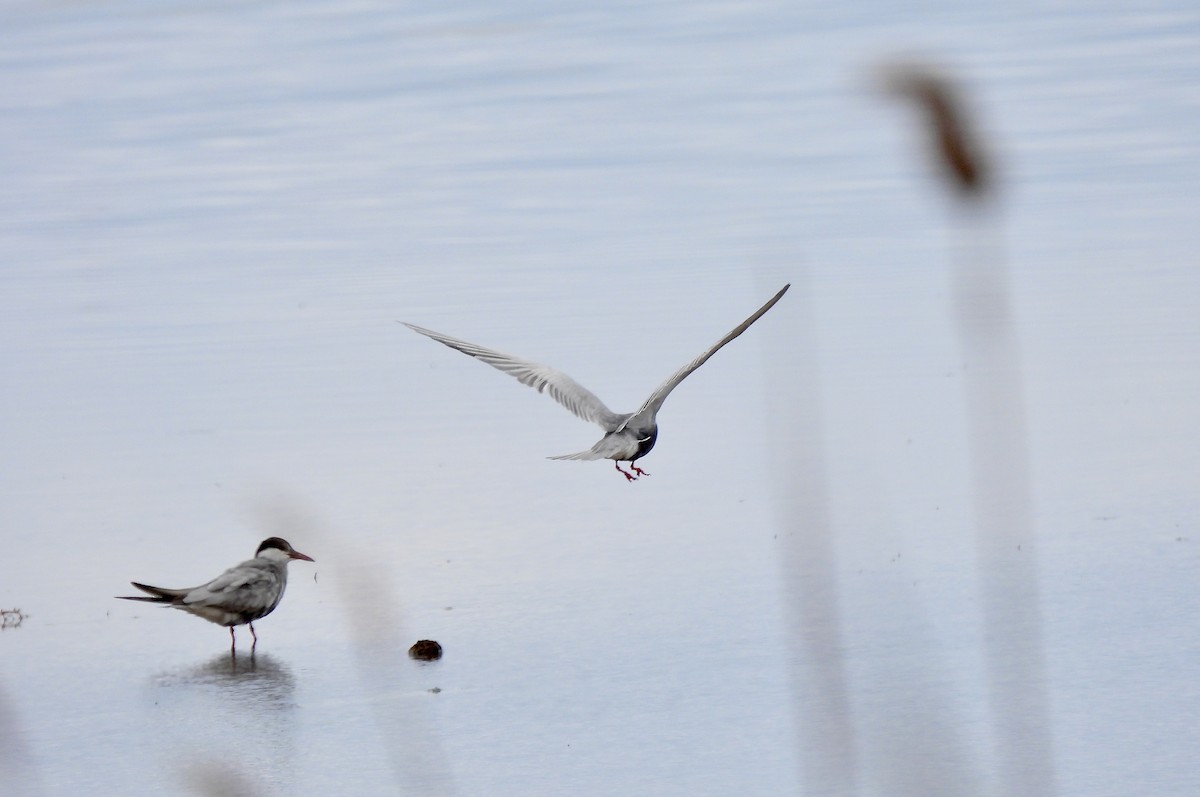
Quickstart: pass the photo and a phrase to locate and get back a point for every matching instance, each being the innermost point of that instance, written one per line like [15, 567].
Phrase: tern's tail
[591, 453]
[611, 446]
[159, 594]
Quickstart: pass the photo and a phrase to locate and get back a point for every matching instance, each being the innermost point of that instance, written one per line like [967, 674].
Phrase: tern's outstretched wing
[657, 398]
[562, 388]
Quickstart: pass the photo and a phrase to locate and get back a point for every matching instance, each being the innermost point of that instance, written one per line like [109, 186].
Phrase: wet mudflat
[213, 216]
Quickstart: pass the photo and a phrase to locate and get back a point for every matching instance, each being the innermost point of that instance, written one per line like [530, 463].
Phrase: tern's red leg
[232, 642]
[629, 476]
[255, 636]
[637, 470]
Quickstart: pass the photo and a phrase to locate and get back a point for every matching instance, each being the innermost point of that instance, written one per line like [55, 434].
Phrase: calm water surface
[211, 218]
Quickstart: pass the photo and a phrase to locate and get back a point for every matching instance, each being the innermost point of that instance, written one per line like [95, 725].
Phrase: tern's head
[280, 550]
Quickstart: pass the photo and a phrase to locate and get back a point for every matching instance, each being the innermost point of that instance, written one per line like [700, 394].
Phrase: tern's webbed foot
[628, 476]
[637, 470]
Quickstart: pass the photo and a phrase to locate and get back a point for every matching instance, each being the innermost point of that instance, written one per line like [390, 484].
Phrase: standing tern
[239, 596]
[628, 437]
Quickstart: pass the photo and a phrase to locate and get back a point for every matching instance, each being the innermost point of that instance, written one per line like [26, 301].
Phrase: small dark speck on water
[449, 608]
[425, 650]
[437, 690]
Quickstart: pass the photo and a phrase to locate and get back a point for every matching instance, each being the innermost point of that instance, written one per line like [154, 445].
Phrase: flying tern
[628, 437]
[239, 596]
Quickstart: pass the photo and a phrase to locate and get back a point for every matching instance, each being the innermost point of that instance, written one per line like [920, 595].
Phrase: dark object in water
[11, 618]
[425, 650]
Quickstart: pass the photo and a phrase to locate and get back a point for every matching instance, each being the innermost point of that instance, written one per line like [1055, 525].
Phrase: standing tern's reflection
[235, 710]
[262, 679]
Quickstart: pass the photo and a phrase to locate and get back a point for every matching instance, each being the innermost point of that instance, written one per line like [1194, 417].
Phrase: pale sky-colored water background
[212, 215]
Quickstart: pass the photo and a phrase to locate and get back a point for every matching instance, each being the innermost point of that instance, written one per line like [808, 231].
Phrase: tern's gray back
[246, 591]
